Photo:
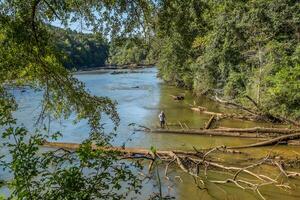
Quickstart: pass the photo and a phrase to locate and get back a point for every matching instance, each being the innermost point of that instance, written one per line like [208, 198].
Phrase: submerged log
[256, 132]
[196, 162]
[273, 141]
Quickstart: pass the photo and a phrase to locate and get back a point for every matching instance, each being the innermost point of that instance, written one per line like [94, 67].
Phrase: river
[141, 96]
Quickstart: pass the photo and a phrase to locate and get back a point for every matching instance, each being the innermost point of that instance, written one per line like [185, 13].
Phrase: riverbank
[107, 68]
[142, 104]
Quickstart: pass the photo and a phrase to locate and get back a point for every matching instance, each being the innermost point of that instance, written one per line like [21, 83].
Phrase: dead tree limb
[210, 122]
[274, 141]
[190, 162]
[256, 132]
[252, 101]
[231, 116]
[235, 105]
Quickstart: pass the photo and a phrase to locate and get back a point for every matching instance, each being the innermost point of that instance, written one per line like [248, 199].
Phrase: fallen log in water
[127, 150]
[204, 110]
[256, 132]
[259, 130]
[270, 142]
[209, 132]
[235, 105]
[224, 116]
[210, 122]
[257, 115]
[197, 164]
[249, 117]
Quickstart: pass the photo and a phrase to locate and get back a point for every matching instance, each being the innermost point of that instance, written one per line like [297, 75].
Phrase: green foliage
[31, 57]
[179, 22]
[81, 50]
[235, 85]
[62, 174]
[126, 51]
[283, 92]
[232, 48]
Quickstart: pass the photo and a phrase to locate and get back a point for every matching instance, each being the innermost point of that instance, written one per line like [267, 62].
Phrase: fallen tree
[259, 130]
[236, 106]
[273, 141]
[210, 122]
[198, 164]
[127, 150]
[256, 132]
[231, 116]
[258, 115]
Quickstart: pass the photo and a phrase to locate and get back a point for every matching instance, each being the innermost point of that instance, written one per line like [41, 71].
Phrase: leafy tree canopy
[30, 57]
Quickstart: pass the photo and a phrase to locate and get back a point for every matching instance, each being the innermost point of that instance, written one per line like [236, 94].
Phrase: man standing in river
[162, 119]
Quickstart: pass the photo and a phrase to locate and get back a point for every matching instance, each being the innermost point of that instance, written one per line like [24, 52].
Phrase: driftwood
[235, 105]
[256, 132]
[259, 130]
[256, 115]
[191, 162]
[289, 121]
[127, 150]
[273, 141]
[204, 110]
[252, 101]
[209, 132]
[224, 116]
[210, 122]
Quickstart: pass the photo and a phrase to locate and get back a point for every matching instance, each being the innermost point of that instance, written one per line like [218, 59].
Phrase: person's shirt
[161, 117]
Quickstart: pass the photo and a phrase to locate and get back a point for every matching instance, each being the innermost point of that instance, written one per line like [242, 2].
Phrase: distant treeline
[133, 50]
[83, 50]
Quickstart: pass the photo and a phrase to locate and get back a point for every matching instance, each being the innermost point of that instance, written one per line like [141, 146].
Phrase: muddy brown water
[140, 97]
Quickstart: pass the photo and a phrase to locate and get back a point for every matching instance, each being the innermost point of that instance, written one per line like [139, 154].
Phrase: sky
[75, 26]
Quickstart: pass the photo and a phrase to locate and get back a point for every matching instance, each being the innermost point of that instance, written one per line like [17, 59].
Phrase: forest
[234, 49]
[80, 50]
[244, 52]
[210, 54]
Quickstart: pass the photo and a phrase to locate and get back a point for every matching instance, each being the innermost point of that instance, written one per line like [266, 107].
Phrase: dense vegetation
[81, 50]
[31, 58]
[133, 50]
[234, 49]
[229, 48]
[86, 50]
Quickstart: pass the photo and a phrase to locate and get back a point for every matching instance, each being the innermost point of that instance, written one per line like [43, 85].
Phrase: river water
[141, 96]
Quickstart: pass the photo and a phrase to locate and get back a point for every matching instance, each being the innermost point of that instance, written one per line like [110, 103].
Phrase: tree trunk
[210, 122]
[274, 141]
